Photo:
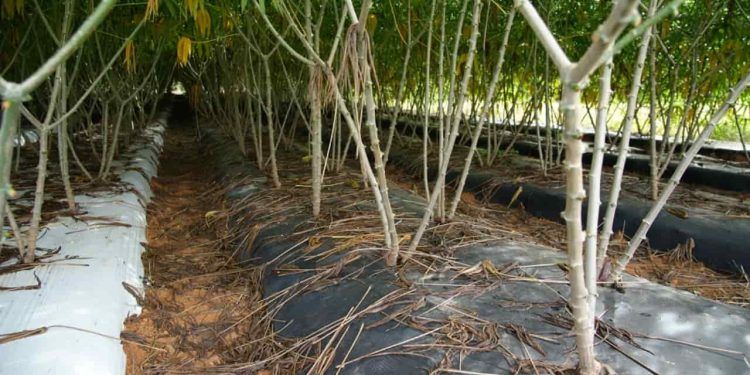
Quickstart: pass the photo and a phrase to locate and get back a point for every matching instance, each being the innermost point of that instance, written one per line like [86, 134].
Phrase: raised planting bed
[64, 314]
[728, 151]
[475, 299]
[704, 171]
[720, 239]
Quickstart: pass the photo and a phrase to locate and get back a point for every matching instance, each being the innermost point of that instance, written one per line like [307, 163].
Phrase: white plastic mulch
[83, 300]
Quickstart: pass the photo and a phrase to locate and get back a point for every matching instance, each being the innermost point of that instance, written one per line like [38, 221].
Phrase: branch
[352, 12]
[653, 213]
[667, 10]
[101, 75]
[544, 34]
[623, 13]
[62, 54]
[19, 49]
[51, 32]
[280, 38]
[148, 76]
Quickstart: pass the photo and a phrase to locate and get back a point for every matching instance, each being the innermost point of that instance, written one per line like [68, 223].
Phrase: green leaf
[262, 6]
[276, 4]
[172, 9]
[243, 5]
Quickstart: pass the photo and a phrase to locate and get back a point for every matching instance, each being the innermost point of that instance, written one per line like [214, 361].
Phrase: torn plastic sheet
[83, 302]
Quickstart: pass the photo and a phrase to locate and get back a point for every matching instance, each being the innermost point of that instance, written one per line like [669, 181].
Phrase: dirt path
[197, 295]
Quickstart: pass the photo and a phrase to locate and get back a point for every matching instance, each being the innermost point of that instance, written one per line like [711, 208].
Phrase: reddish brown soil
[197, 294]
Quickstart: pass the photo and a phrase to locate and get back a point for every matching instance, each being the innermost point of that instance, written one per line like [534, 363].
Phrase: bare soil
[195, 308]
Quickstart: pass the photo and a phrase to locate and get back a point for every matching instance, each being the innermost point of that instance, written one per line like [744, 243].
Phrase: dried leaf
[682, 214]
[130, 56]
[515, 196]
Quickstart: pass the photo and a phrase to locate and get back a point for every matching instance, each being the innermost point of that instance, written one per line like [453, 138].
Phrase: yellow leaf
[490, 268]
[203, 22]
[184, 50]
[228, 24]
[372, 23]
[192, 6]
[313, 242]
[152, 9]
[210, 214]
[404, 239]
[130, 56]
[10, 8]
